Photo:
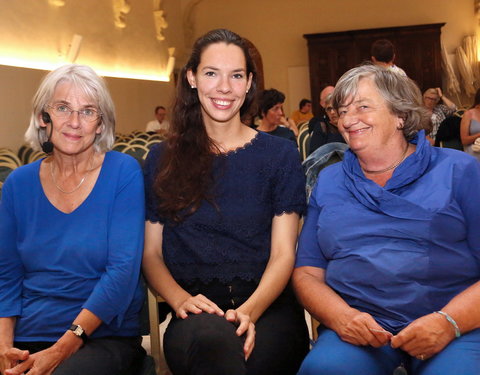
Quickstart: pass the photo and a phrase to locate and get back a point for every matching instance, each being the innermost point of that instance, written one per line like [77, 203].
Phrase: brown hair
[185, 173]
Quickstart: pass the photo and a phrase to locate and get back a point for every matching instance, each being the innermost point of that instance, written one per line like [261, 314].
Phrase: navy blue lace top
[254, 183]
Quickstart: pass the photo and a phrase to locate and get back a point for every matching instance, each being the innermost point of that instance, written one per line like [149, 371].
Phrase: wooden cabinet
[417, 52]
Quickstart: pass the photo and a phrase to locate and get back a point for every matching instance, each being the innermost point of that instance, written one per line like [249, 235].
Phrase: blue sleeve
[289, 184]
[309, 252]
[467, 186]
[150, 170]
[116, 288]
[11, 269]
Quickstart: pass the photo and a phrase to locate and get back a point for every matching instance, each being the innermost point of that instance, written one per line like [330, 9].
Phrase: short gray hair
[402, 95]
[84, 78]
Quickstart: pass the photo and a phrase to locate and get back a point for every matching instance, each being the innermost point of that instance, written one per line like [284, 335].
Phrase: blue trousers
[332, 356]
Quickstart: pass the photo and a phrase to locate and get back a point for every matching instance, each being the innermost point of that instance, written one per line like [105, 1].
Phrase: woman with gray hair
[389, 255]
[71, 239]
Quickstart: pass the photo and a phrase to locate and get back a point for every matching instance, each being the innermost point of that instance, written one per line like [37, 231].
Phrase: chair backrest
[303, 140]
[448, 134]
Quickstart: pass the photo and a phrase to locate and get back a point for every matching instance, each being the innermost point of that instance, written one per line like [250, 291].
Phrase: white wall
[35, 30]
[276, 27]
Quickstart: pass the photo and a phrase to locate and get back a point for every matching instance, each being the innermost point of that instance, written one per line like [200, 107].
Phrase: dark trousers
[102, 356]
[206, 344]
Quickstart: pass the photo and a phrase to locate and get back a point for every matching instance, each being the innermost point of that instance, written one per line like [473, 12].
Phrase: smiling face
[222, 83]
[71, 135]
[366, 122]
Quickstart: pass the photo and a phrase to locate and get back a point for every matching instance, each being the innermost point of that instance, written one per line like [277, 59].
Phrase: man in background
[320, 129]
[383, 54]
[160, 124]
[303, 113]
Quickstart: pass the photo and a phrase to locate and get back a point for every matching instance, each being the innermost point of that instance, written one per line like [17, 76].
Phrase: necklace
[394, 165]
[79, 184]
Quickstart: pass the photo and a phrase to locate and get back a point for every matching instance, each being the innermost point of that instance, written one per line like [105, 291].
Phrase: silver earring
[193, 87]
[246, 92]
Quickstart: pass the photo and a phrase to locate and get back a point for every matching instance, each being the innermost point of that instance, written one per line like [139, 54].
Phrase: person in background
[71, 239]
[321, 128]
[383, 54]
[470, 127]
[304, 113]
[223, 206]
[438, 112]
[389, 255]
[271, 115]
[160, 124]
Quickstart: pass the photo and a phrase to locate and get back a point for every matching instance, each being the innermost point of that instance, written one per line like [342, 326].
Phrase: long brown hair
[185, 171]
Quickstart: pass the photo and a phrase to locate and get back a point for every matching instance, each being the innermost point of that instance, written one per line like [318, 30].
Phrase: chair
[303, 124]
[155, 340]
[303, 140]
[120, 146]
[315, 325]
[139, 152]
[35, 155]
[9, 155]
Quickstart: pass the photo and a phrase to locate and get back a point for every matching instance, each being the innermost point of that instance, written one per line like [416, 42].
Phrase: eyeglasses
[85, 114]
[329, 109]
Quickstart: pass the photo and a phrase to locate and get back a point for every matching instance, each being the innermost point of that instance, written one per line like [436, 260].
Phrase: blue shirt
[400, 251]
[252, 185]
[54, 264]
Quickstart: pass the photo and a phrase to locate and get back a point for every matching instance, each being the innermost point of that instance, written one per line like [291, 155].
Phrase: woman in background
[71, 239]
[223, 205]
[438, 112]
[272, 119]
[470, 127]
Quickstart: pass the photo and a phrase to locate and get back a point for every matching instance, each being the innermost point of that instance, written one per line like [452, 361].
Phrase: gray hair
[402, 95]
[84, 78]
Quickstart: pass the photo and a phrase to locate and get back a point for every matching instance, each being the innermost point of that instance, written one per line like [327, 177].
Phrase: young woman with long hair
[223, 204]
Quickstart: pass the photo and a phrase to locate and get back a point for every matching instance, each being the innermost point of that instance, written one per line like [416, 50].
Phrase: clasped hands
[199, 303]
[422, 338]
[16, 362]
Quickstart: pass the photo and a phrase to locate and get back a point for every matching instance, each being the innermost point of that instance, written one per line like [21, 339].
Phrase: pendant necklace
[79, 184]
[394, 165]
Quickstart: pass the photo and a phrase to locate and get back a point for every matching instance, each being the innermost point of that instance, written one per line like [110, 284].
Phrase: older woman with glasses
[389, 255]
[71, 239]
[438, 111]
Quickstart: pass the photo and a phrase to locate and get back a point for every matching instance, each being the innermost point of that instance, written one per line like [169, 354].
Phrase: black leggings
[102, 356]
[206, 344]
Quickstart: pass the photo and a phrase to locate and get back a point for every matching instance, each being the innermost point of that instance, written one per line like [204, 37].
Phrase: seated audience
[272, 120]
[71, 235]
[304, 113]
[438, 112]
[389, 254]
[383, 54]
[223, 206]
[324, 129]
[470, 128]
[160, 124]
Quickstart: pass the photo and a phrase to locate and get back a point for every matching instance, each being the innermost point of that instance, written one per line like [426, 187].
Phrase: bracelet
[452, 322]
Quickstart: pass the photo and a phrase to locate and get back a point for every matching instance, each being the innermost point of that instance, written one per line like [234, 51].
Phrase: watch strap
[78, 331]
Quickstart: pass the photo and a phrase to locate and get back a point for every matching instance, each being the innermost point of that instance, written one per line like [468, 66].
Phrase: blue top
[252, 185]
[401, 251]
[54, 264]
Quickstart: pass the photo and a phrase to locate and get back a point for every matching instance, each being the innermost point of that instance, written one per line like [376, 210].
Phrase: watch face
[78, 331]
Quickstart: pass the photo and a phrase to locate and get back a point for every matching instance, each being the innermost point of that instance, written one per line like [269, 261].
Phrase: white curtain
[465, 69]
[453, 86]
[470, 48]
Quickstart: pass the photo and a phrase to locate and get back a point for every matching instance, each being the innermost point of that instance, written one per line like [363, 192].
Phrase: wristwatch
[78, 331]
